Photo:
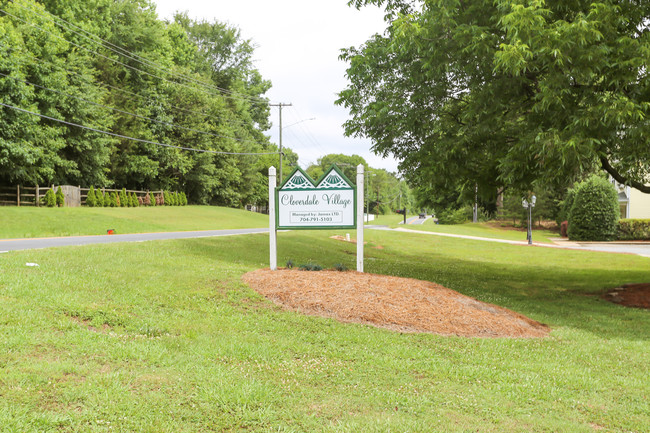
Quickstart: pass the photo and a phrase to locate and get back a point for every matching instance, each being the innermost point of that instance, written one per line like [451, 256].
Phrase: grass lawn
[391, 220]
[164, 337]
[31, 222]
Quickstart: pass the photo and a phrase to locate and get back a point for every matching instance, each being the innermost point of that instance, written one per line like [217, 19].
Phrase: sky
[298, 44]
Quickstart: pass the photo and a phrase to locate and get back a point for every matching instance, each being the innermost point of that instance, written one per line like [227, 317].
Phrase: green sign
[302, 203]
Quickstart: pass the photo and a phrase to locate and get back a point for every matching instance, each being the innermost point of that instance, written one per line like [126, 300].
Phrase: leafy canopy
[505, 93]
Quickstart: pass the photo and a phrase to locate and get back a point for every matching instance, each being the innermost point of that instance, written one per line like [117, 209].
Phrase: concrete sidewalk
[639, 248]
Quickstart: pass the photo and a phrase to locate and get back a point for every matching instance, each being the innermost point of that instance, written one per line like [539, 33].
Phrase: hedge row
[634, 230]
[52, 199]
[96, 198]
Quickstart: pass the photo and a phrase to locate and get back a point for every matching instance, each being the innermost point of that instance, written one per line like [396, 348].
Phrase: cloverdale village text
[333, 199]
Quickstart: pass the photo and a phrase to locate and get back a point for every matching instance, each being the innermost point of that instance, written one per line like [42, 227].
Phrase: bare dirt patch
[399, 304]
[630, 295]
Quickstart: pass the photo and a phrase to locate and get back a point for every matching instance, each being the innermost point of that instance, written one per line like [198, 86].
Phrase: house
[634, 203]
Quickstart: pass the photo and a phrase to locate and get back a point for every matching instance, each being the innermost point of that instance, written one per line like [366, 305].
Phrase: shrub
[565, 207]
[340, 267]
[166, 199]
[123, 199]
[90, 198]
[115, 200]
[595, 211]
[134, 200]
[289, 264]
[50, 198]
[99, 198]
[634, 230]
[160, 200]
[60, 197]
[564, 229]
[177, 199]
[152, 199]
[310, 267]
[183, 199]
[457, 216]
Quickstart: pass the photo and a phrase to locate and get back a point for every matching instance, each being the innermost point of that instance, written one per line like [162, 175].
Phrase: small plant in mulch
[290, 264]
[310, 267]
[340, 267]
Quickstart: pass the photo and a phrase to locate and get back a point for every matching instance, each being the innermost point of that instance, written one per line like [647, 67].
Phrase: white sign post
[360, 201]
[273, 234]
[300, 203]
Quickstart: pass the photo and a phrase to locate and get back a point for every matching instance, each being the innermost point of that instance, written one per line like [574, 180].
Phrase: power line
[113, 60]
[128, 54]
[123, 91]
[132, 138]
[131, 114]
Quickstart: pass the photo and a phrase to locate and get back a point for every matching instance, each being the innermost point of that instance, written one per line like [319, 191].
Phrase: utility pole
[280, 105]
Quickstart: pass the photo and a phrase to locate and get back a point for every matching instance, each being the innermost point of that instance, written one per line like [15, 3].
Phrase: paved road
[34, 243]
[642, 249]
[416, 220]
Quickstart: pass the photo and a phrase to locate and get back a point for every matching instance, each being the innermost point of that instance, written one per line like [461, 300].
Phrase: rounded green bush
[595, 211]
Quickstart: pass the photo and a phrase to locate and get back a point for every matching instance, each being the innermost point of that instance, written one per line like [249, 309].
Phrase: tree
[164, 82]
[505, 93]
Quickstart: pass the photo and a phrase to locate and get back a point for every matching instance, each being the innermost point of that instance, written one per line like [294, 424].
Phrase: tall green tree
[183, 83]
[505, 93]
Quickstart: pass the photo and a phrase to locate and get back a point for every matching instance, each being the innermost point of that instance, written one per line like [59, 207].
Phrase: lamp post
[529, 205]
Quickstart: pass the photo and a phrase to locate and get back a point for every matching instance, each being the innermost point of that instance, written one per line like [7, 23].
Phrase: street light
[529, 205]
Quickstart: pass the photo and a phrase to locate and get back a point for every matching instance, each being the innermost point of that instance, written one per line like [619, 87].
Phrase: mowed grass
[164, 337]
[30, 222]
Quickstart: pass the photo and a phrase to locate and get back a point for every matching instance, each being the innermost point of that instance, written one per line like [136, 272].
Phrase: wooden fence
[32, 195]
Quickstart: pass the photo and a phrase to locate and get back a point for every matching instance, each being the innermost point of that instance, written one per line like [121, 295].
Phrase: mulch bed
[399, 304]
[630, 295]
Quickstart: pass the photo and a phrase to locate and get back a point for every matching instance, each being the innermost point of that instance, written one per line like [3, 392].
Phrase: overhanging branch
[620, 179]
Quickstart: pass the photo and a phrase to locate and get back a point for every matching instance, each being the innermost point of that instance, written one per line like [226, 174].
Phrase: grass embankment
[164, 337]
[26, 222]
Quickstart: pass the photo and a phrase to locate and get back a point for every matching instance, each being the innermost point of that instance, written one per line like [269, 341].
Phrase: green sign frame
[332, 181]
